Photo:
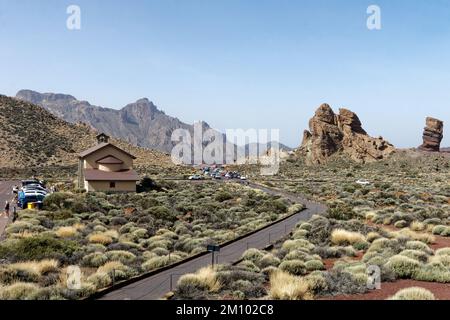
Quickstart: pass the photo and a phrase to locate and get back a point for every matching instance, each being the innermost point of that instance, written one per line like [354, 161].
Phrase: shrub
[402, 266]
[313, 265]
[38, 248]
[316, 282]
[205, 280]
[101, 238]
[100, 280]
[443, 252]
[124, 257]
[284, 286]
[435, 272]
[18, 291]
[439, 229]
[417, 226]
[57, 200]
[66, 232]
[361, 245]
[295, 267]
[344, 237]
[423, 237]
[117, 268]
[94, 260]
[290, 245]
[222, 196]
[268, 260]
[300, 234]
[253, 255]
[342, 282]
[159, 262]
[413, 293]
[418, 245]
[401, 224]
[372, 236]
[415, 254]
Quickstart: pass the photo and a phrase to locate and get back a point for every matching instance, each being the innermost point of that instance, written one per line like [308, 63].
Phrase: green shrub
[124, 257]
[402, 266]
[222, 196]
[413, 293]
[290, 245]
[415, 254]
[38, 248]
[100, 280]
[433, 272]
[361, 245]
[401, 224]
[295, 267]
[94, 260]
[253, 255]
[268, 260]
[18, 291]
[159, 262]
[313, 265]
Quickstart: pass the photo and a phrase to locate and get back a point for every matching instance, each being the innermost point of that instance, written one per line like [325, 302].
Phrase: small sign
[212, 248]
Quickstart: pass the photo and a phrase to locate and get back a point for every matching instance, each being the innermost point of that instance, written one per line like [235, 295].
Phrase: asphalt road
[156, 286]
[6, 195]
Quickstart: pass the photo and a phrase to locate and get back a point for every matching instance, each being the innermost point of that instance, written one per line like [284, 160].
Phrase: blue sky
[239, 64]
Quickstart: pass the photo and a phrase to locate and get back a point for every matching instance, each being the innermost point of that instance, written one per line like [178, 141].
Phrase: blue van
[25, 198]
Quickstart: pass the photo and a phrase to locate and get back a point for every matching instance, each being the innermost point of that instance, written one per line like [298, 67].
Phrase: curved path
[156, 286]
[6, 195]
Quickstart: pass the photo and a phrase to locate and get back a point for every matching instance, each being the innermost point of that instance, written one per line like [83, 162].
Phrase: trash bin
[31, 205]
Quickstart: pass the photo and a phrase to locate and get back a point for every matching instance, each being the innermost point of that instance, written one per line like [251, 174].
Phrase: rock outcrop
[432, 135]
[331, 133]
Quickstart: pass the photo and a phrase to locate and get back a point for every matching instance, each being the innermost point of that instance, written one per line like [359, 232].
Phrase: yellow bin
[31, 205]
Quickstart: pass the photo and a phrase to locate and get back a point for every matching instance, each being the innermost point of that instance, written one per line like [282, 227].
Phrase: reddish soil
[441, 242]
[329, 263]
[440, 290]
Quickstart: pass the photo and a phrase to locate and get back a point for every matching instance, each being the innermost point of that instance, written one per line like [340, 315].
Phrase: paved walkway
[156, 286]
[6, 194]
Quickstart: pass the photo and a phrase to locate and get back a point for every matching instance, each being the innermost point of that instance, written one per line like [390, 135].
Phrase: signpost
[213, 249]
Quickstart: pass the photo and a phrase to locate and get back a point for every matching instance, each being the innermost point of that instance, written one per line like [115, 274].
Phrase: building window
[112, 185]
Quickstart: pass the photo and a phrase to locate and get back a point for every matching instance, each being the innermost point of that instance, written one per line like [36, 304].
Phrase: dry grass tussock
[343, 237]
[284, 286]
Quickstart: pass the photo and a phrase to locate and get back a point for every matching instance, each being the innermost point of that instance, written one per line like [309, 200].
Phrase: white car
[243, 178]
[363, 182]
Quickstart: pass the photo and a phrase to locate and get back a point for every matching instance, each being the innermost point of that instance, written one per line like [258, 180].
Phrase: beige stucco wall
[90, 161]
[121, 186]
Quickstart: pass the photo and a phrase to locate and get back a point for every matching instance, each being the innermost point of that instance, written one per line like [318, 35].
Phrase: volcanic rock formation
[331, 133]
[432, 135]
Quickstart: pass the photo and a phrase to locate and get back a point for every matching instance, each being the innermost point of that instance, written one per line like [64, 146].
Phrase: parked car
[27, 197]
[195, 177]
[363, 182]
[243, 178]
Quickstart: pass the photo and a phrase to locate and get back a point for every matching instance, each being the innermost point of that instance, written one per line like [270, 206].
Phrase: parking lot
[217, 173]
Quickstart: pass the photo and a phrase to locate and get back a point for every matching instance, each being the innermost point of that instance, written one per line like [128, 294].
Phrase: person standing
[7, 208]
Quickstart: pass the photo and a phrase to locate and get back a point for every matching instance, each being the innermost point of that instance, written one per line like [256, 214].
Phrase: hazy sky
[239, 64]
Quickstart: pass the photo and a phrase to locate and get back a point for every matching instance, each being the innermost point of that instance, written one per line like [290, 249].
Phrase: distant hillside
[140, 123]
[34, 138]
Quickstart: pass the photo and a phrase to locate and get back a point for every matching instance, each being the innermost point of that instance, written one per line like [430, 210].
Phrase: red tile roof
[99, 175]
[100, 146]
[109, 160]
